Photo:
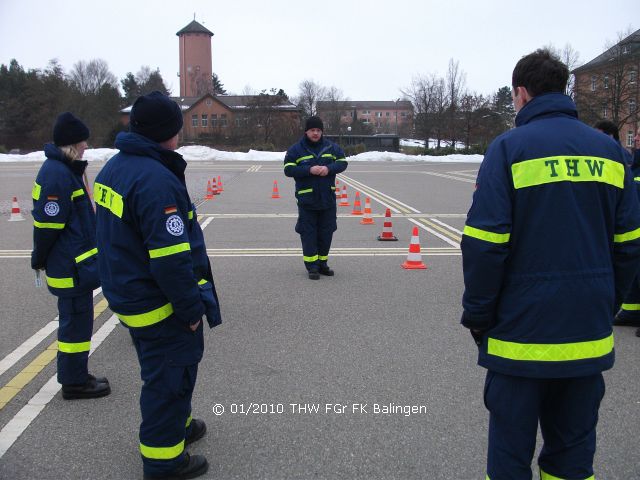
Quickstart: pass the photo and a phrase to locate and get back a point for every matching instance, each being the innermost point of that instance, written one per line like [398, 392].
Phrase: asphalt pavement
[365, 375]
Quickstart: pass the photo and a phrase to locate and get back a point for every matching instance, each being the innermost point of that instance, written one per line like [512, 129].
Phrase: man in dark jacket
[314, 163]
[550, 247]
[157, 278]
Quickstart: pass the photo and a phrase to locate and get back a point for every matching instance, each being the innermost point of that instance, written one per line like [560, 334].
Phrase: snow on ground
[409, 142]
[204, 154]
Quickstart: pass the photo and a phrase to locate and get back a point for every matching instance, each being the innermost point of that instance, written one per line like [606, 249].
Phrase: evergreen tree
[218, 87]
[130, 88]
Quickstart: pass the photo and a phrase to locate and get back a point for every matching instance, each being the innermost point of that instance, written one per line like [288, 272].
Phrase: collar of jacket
[133, 143]
[54, 153]
[544, 105]
[314, 147]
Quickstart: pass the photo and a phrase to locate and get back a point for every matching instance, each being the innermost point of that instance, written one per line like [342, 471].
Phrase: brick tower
[195, 60]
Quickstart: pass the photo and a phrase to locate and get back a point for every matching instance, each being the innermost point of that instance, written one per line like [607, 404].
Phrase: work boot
[90, 389]
[325, 270]
[193, 466]
[198, 429]
[314, 275]
[625, 318]
[638, 332]
[99, 379]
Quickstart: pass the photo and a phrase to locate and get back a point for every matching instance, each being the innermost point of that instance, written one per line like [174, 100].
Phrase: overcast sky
[368, 49]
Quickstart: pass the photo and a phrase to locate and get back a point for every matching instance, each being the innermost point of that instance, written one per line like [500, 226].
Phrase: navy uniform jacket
[550, 246]
[153, 259]
[64, 233]
[313, 191]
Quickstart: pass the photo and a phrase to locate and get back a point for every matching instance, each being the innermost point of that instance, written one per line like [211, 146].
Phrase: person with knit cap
[64, 246]
[314, 163]
[157, 278]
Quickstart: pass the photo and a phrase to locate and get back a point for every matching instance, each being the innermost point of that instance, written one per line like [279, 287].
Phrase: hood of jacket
[54, 153]
[135, 144]
[544, 105]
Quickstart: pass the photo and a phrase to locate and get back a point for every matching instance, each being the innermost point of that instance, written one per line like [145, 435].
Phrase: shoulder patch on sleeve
[175, 225]
[170, 209]
[51, 209]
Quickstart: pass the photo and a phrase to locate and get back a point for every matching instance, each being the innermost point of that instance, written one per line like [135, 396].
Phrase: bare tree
[309, 93]
[455, 85]
[571, 58]
[422, 93]
[90, 77]
[334, 107]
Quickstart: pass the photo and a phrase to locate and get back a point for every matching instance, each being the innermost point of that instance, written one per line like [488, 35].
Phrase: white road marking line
[435, 220]
[437, 234]
[206, 222]
[19, 423]
[354, 184]
[32, 342]
[467, 180]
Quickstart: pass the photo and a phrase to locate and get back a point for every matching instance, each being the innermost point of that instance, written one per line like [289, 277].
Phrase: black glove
[477, 335]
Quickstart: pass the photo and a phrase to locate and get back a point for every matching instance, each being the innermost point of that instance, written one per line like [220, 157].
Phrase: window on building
[194, 120]
[237, 122]
[214, 120]
[223, 120]
[633, 76]
[593, 83]
[632, 105]
[630, 138]
[388, 114]
[366, 121]
[605, 81]
[605, 112]
[403, 114]
[366, 112]
[378, 114]
[205, 120]
[209, 102]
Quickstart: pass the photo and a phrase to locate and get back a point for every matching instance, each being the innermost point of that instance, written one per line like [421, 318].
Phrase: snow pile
[207, 154]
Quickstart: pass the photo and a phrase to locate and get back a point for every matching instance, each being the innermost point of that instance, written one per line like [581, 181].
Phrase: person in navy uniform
[550, 247]
[157, 278]
[314, 163]
[64, 246]
[629, 314]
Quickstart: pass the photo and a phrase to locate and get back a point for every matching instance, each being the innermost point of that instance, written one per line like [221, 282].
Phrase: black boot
[314, 275]
[90, 389]
[325, 270]
[99, 379]
[625, 318]
[194, 466]
[198, 429]
[638, 332]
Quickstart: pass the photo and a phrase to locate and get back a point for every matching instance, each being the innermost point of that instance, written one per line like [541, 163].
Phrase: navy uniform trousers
[565, 408]
[316, 229]
[169, 354]
[74, 338]
[631, 303]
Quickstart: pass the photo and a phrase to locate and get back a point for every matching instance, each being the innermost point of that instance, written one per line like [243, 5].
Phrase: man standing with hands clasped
[550, 247]
[314, 163]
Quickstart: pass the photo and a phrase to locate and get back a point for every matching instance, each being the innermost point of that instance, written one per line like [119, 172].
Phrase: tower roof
[194, 27]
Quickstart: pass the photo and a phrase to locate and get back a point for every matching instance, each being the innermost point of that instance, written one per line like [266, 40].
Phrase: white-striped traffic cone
[338, 194]
[345, 197]
[16, 216]
[414, 259]
[367, 219]
[387, 229]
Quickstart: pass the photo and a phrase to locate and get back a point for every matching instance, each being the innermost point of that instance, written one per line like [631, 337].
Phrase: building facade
[607, 88]
[390, 117]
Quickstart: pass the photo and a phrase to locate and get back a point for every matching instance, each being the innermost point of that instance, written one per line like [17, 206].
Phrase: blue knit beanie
[156, 117]
[69, 130]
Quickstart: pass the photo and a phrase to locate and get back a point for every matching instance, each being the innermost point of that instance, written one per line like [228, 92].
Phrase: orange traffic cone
[16, 216]
[367, 219]
[338, 195]
[387, 229]
[345, 198]
[209, 195]
[357, 206]
[214, 187]
[414, 259]
[220, 189]
[275, 193]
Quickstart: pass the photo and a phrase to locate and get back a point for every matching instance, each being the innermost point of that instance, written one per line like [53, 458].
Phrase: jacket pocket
[87, 269]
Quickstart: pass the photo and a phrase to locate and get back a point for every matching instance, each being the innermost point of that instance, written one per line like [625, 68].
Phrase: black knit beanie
[156, 117]
[313, 122]
[69, 130]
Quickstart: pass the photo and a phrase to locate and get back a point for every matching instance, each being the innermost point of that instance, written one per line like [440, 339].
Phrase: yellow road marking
[28, 373]
[442, 230]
